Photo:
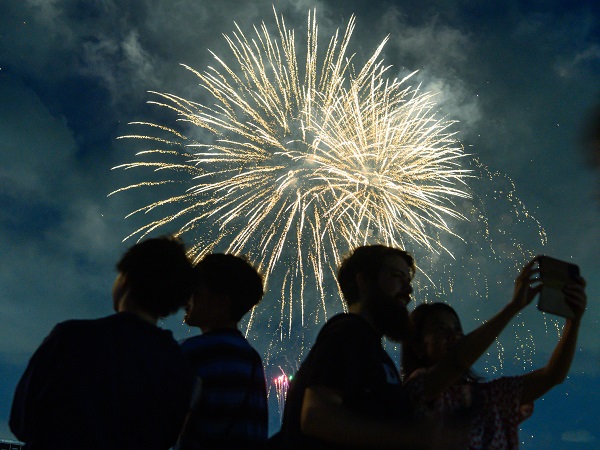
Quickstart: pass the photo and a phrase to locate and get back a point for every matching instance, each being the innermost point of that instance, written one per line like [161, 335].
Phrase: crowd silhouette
[122, 382]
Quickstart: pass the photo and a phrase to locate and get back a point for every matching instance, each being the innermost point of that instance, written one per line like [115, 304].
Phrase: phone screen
[554, 275]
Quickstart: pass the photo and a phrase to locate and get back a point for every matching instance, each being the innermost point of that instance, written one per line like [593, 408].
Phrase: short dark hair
[367, 260]
[418, 317]
[158, 274]
[232, 276]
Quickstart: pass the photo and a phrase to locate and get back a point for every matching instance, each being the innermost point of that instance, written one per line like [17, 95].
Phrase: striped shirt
[231, 412]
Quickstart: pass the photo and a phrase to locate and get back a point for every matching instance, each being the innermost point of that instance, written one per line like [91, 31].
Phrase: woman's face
[441, 331]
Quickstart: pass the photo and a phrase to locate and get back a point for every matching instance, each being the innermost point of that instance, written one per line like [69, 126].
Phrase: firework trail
[281, 383]
[294, 164]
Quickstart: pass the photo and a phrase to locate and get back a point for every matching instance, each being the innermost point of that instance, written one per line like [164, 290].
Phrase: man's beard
[391, 317]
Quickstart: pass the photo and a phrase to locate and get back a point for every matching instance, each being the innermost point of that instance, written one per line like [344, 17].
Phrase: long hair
[411, 361]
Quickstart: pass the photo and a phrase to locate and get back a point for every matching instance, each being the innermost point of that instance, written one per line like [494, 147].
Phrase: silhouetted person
[347, 392]
[118, 382]
[438, 359]
[231, 410]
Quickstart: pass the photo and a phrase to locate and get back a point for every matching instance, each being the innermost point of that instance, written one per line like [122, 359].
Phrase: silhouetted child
[231, 409]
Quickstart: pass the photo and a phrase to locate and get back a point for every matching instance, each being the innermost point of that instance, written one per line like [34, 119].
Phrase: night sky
[520, 78]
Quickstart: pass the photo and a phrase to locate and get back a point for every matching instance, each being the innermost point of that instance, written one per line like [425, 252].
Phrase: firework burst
[295, 164]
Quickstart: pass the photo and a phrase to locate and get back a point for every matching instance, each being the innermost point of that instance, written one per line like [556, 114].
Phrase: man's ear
[361, 282]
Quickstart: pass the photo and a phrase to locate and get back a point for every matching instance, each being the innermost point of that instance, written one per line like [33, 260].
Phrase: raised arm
[538, 382]
[466, 351]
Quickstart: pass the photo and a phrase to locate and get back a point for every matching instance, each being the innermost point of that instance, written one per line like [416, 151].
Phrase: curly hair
[232, 276]
[159, 275]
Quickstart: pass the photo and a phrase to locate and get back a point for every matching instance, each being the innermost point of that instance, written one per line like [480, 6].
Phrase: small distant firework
[281, 384]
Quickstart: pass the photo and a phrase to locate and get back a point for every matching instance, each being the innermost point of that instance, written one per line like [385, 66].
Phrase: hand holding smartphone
[555, 275]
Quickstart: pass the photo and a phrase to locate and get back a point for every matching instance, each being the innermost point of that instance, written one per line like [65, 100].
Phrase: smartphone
[554, 275]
